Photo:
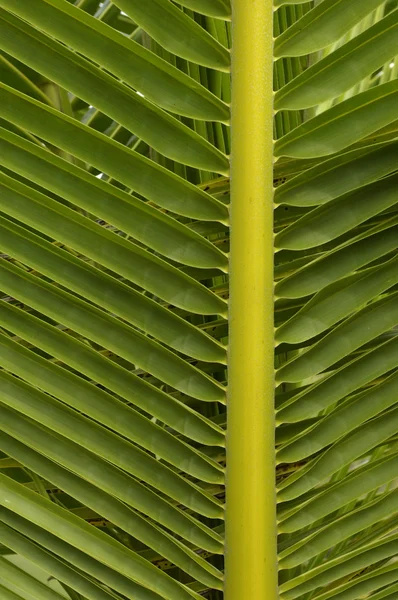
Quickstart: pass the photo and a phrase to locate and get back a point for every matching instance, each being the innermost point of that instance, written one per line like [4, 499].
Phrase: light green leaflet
[341, 261]
[343, 124]
[340, 383]
[344, 451]
[364, 584]
[143, 70]
[220, 9]
[106, 248]
[25, 583]
[112, 376]
[119, 299]
[106, 477]
[8, 594]
[340, 529]
[336, 301]
[177, 32]
[92, 541]
[387, 593]
[322, 25]
[112, 509]
[110, 333]
[137, 172]
[103, 443]
[341, 69]
[105, 409]
[339, 567]
[365, 325]
[330, 220]
[51, 565]
[338, 175]
[74, 558]
[10, 75]
[336, 495]
[160, 130]
[139, 219]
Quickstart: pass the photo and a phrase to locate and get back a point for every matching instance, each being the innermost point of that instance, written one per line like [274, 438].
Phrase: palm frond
[114, 229]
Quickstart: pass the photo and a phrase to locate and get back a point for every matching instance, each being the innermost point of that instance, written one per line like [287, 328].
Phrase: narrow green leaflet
[106, 248]
[110, 333]
[114, 510]
[343, 124]
[385, 134]
[346, 450]
[340, 215]
[19, 131]
[219, 9]
[361, 481]
[104, 476]
[364, 326]
[177, 32]
[341, 69]
[341, 383]
[102, 442]
[105, 409]
[94, 542]
[388, 593]
[158, 80]
[116, 297]
[339, 530]
[51, 565]
[135, 171]
[345, 259]
[25, 583]
[160, 130]
[337, 301]
[365, 584]
[13, 77]
[278, 3]
[74, 557]
[139, 219]
[339, 175]
[8, 594]
[322, 26]
[94, 365]
[339, 567]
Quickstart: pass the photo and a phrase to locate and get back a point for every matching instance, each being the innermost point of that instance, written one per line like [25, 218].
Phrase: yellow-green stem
[251, 563]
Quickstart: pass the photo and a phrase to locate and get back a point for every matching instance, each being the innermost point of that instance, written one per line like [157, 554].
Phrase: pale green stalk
[251, 563]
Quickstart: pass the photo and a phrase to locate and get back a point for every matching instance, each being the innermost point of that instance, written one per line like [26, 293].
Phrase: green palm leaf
[125, 389]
